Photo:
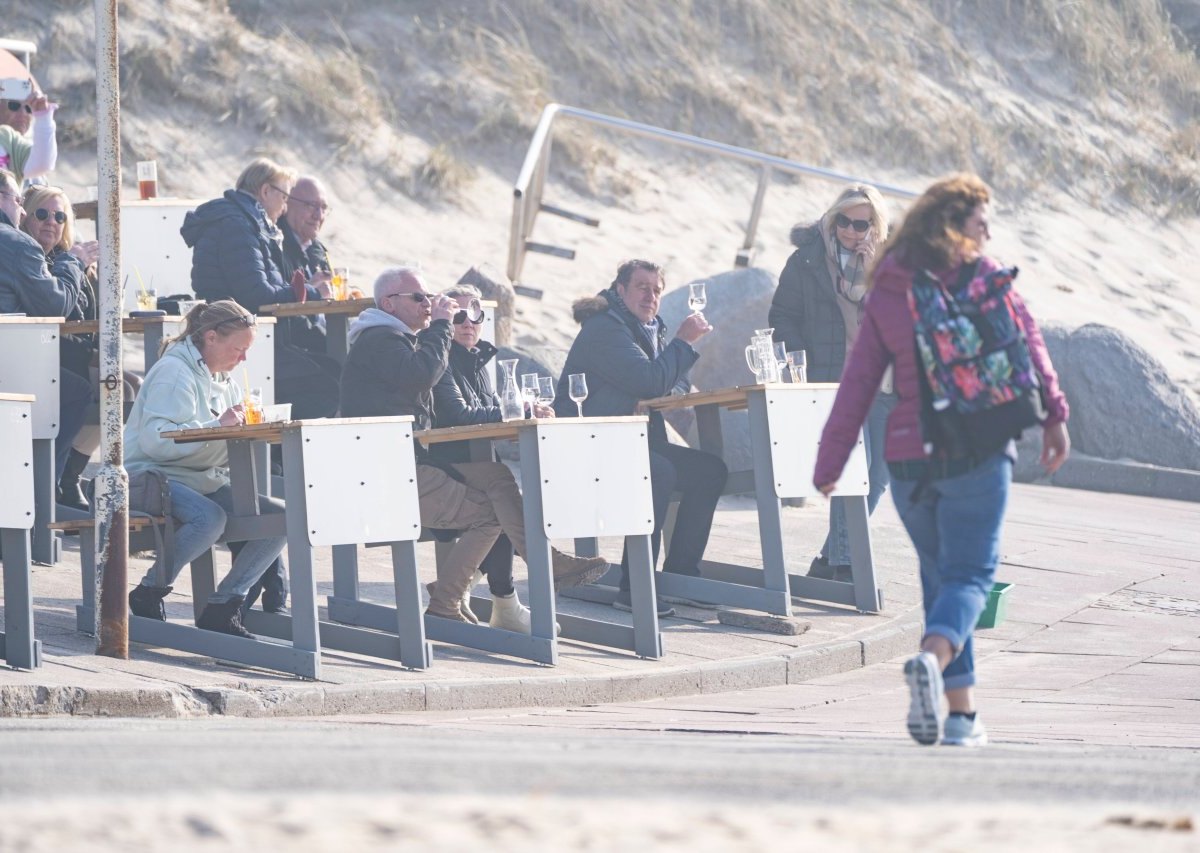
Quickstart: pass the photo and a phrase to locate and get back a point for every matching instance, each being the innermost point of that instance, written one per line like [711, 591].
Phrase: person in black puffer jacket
[465, 395]
[237, 253]
[817, 308]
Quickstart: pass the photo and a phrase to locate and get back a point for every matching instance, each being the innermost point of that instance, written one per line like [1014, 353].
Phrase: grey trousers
[487, 504]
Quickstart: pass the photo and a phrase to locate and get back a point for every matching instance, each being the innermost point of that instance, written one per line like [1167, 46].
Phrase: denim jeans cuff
[957, 682]
[957, 640]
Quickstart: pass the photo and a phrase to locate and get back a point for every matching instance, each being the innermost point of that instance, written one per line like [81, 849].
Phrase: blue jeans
[200, 523]
[955, 527]
[836, 549]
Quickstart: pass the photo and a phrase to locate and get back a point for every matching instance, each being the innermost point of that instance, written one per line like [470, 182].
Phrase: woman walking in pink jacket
[950, 440]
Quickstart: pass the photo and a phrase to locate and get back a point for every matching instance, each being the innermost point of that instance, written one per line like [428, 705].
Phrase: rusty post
[112, 492]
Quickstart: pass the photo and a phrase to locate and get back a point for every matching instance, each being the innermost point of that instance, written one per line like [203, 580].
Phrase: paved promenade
[1104, 614]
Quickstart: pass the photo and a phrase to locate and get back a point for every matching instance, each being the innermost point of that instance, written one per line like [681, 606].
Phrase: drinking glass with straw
[147, 298]
[251, 400]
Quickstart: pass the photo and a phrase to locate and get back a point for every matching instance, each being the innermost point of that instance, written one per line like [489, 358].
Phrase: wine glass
[797, 362]
[529, 390]
[697, 298]
[577, 390]
[545, 390]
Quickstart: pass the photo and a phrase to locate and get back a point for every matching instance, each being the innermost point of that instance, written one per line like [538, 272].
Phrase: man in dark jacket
[300, 226]
[623, 351]
[398, 351]
[28, 286]
[237, 253]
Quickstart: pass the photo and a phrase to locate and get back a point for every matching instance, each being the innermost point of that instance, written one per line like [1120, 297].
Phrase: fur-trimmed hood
[588, 307]
[806, 234]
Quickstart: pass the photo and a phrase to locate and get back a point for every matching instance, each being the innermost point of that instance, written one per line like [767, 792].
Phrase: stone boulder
[738, 302]
[1123, 403]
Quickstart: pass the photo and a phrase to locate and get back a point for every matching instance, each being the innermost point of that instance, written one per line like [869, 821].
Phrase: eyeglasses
[860, 225]
[281, 191]
[15, 106]
[465, 316]
[312, 205]
[42, 215]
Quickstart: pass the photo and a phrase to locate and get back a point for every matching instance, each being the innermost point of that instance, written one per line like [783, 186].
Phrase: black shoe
[821, 569]
[147, 602]
[624, 601]
[70, 491]
[225, 618]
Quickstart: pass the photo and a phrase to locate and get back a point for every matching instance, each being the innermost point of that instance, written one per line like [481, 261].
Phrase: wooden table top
[318, 306]
[508, 429]
[17, 398]
[270, 432]
[729, 398]
[14, 320]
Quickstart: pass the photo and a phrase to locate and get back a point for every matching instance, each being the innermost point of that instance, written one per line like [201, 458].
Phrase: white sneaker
[925, 716]
[963, 731]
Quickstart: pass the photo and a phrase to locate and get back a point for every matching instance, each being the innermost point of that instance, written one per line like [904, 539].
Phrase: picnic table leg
[46, 543]
[87, 615]
[152, 335]
[415, 653]
[770, 518]
[335, 336]
[862, 561]
[306, 636]
[20, 648]
[537, 546]
[647, 642]
[345, 572]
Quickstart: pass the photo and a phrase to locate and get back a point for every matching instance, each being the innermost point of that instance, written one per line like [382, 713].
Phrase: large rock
[1123, 403]
[738, 302]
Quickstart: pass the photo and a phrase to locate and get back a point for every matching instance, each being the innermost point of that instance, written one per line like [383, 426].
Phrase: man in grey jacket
[28, 286]
[623, 350]
[398, 351]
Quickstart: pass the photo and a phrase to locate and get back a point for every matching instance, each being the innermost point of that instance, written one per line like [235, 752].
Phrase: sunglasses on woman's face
[465, 316]
[15, 106]
[42, 215]
[860, 225]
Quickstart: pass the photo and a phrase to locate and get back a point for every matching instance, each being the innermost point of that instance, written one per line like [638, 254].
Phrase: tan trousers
[487, 504]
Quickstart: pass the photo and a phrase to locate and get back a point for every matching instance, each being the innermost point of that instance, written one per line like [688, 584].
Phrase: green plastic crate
[997, 606]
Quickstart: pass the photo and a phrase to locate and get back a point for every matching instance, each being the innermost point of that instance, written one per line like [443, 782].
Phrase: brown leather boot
[570, 570]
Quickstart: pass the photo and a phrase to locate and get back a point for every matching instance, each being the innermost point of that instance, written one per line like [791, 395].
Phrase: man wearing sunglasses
[398, 351]
[28, 157]
[29, 286]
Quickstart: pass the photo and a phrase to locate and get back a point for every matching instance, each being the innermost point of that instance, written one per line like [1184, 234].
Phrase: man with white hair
[398, 351]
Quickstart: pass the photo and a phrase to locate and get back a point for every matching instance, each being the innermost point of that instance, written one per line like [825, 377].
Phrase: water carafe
[760, 357]
[512, 406]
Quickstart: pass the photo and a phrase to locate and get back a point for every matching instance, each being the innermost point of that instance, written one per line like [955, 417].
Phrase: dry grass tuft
[442, 175]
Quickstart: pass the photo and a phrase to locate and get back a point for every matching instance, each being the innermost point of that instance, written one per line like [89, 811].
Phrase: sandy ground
[362, 823]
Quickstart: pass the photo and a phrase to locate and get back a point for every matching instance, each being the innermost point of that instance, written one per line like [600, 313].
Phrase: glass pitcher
[760, 357]
[512, 406]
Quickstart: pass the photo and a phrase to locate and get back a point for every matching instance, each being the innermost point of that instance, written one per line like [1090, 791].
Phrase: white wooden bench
[17, 643]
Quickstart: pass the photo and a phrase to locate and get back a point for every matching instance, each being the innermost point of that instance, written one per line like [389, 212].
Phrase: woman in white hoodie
[190, 387]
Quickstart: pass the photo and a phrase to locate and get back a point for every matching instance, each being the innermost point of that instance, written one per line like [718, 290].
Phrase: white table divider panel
[572, 488]
[786, 422]
[29, 364]
[152, 245]
[17, 643]
[359, 476]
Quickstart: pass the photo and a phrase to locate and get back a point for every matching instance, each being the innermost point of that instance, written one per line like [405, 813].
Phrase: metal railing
[531, 182]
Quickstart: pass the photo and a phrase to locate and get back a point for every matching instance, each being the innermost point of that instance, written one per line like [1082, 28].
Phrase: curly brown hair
[931, 236]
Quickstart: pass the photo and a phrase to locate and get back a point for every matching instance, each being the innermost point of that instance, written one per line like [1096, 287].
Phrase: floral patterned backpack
[979, 385]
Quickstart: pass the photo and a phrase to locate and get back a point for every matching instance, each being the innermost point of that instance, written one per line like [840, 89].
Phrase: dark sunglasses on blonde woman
[860, 225]
[15, 106]
[42, 215]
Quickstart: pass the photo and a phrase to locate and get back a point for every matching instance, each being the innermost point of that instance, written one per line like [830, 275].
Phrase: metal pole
[112, 492]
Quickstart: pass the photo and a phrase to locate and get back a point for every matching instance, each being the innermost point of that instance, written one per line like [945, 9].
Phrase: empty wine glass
[545, 390]
[797, 363]
[577, 390]
[697, 298]
[529, 391]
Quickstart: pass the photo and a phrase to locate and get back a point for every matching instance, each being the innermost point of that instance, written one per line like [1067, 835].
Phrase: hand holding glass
[577, 390]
